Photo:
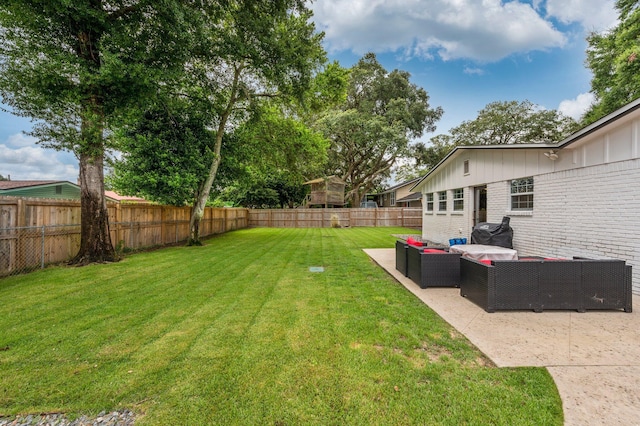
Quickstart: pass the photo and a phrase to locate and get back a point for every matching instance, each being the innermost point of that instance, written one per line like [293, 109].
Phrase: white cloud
[486, 30]
[34, 163]
[593, 15]
[575, 108]
[472, 71]
[21, 140]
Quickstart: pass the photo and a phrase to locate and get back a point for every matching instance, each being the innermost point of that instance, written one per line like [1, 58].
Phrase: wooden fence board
[322, 218]
[36, 231]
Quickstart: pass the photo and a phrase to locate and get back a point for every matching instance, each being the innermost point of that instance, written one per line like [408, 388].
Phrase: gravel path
[114, 418]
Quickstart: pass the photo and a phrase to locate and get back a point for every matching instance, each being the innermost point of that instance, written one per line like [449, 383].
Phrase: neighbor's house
[40, 189]
[56, 189]
[579, 197]
[399, 196]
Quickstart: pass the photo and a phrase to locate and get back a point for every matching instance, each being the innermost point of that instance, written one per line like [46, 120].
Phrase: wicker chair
[433, 267]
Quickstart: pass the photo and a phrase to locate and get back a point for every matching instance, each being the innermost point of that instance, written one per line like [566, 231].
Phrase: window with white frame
[522, 194]
[442, 201]
[429, 201]
[393, 198]
[458, 200]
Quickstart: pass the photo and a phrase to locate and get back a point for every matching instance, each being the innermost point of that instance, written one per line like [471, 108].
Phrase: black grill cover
[493, 234]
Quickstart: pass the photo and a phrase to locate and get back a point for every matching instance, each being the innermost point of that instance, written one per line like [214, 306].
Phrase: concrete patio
[593, 357]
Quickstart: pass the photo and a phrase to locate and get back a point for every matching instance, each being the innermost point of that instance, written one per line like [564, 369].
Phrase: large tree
[169, 149]
[614, 60]
[513, 122]
[74, 66]
[256, 50]
[283, 153]
[502, 122]
[372, 128]
[166, 150]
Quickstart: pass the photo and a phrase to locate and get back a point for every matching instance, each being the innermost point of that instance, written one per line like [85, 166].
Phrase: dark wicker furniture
[401, 256]
[539, 284]
[433, 267]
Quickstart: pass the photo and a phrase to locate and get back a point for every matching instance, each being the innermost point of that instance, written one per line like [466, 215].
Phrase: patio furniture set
[495, 278]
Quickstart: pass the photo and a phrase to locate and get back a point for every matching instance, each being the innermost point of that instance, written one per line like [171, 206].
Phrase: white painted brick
[590, 211]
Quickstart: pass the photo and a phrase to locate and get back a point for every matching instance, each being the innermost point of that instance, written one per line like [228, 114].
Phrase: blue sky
[464, 53]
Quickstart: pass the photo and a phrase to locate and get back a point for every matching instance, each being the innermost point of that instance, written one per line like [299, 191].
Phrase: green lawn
[240, 332]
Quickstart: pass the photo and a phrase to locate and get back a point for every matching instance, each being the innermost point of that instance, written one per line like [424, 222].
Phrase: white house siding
[490, 167]
[586, 203]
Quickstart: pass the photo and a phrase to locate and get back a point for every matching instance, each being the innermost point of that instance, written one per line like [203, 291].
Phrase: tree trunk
[95, 240]
[203, 195]
[205, 189]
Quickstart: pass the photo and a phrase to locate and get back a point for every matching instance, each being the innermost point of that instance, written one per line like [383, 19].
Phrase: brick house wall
[586, 201]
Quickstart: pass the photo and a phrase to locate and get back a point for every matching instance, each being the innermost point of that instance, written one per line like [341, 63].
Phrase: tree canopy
[74, 67]
[239, 90]
[372, 128]
[82, 69]
[614, 60]
[265, 50]
[165, 152]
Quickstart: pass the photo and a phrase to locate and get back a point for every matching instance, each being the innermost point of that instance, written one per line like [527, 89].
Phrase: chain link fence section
[23, 249]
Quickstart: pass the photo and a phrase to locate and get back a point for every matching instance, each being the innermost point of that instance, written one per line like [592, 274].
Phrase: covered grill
[493, 234]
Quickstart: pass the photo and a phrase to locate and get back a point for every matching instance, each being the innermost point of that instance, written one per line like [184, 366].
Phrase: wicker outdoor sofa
[428, 266]
[539, 284]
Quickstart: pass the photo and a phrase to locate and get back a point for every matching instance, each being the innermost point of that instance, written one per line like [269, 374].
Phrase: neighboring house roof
[18, 184]
[124, 198]
[571, 139]
[41, 189]
[54, 189]
[400, 185]
[414, 196]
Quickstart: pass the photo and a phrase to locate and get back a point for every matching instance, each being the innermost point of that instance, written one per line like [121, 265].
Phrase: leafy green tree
[372, 128]
[513, 122]
[74, 66]
[264, 50]
[423, 157]
[614, 60]
[165, 152]
[270, 191]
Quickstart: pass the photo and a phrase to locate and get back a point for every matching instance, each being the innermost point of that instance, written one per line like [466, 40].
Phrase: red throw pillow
[434, 251]
[485, 261]
[413, 242]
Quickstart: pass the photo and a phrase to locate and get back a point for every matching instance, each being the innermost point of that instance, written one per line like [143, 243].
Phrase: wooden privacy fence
[35, 232]
[409, 217]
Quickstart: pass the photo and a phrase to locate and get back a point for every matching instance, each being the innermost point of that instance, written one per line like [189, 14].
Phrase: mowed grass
[240, 332]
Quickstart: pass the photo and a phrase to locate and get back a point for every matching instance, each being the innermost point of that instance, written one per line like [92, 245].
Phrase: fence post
[42, 261]
[118, 219]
